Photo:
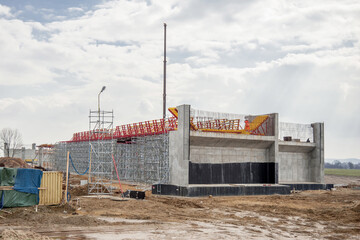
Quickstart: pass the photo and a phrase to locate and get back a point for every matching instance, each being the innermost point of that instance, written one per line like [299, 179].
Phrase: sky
[298, 58]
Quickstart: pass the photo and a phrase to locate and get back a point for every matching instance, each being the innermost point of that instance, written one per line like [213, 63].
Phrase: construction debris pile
[9, 162]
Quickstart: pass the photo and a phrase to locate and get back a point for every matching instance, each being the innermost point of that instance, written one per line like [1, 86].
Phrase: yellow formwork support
[51, 188]
[253, 126]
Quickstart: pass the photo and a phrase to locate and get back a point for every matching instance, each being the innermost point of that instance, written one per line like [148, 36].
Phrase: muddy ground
[302, 215]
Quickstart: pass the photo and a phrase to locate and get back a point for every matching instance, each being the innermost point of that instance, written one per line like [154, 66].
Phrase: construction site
[198, 153]
[255, 135]
[192, 175]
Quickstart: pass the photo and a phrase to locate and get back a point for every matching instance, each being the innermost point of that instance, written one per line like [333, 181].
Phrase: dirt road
[342, 180]
[304, 215]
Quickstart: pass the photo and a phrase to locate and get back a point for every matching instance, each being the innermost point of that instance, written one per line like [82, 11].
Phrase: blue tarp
[28, 180]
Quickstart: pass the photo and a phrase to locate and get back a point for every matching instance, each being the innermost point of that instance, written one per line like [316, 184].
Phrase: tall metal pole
[164, 94]
[99, 108]
[103, 88]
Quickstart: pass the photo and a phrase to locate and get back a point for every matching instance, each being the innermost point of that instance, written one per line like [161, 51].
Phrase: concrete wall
[206, 150]
[317, 155]
[201, 154]
[23, 153]
[294, 167]
[215, 155]
[302, 161]
[274, 148]
[250, 158]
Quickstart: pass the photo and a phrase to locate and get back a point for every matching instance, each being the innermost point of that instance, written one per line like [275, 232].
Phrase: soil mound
[79, 191]
[180, 203]
[9, 162]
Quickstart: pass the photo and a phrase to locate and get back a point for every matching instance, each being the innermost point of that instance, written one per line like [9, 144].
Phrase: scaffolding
[141, 160]
[144, 159]
[79, 152]
[45, 155]
[101, 152]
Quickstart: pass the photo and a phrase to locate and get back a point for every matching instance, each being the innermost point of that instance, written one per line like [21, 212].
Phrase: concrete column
[40, 153]
[317, 156]
[274, 148]
[179, 148]
[22, 153]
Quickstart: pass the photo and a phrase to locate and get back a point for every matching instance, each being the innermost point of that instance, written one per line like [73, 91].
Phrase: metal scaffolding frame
[144, 159]
[45, 157]
[79, 152]
[101, 152]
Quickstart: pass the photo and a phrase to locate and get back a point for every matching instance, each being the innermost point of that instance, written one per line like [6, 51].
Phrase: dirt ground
[302, 215]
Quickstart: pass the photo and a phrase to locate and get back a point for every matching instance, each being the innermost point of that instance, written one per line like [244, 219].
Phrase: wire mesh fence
[297, 132]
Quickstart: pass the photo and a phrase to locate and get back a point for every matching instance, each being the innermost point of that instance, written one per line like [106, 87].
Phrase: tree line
[342, 165]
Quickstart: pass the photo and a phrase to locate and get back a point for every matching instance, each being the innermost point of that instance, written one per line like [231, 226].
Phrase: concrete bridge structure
[216, 163]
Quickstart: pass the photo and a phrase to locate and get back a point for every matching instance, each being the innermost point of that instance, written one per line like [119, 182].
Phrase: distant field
[343, 172]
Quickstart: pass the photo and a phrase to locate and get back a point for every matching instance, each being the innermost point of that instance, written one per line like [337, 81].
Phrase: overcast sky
[298, 58]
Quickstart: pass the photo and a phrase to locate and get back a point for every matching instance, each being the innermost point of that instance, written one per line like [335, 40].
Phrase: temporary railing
[219, 124]
[146, 128]
[297, 131]
[258, 126]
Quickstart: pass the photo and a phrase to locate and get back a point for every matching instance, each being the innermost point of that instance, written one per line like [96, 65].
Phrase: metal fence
[303, 132]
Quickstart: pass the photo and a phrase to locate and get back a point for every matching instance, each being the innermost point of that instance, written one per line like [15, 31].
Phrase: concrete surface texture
[179, 148]
[294, 167]
[200, 154]
[296, 161]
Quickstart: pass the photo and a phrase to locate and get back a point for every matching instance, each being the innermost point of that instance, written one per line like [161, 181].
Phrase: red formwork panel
[153, 127]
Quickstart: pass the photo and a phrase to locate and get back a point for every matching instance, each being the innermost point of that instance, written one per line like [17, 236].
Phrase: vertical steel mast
[164, 94]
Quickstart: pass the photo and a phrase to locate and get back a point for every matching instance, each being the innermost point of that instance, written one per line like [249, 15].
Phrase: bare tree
[10, 140]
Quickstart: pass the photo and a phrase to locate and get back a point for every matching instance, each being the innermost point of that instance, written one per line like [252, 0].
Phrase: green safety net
[7, 176]
[12, 198]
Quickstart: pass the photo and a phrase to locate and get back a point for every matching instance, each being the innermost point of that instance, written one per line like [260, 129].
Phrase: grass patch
[343, 172]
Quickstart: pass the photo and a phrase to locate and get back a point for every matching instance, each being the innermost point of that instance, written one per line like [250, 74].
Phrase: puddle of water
[124, 220]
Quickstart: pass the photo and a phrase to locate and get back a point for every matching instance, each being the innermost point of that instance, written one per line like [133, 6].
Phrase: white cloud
[5, 11]
[75, 9]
